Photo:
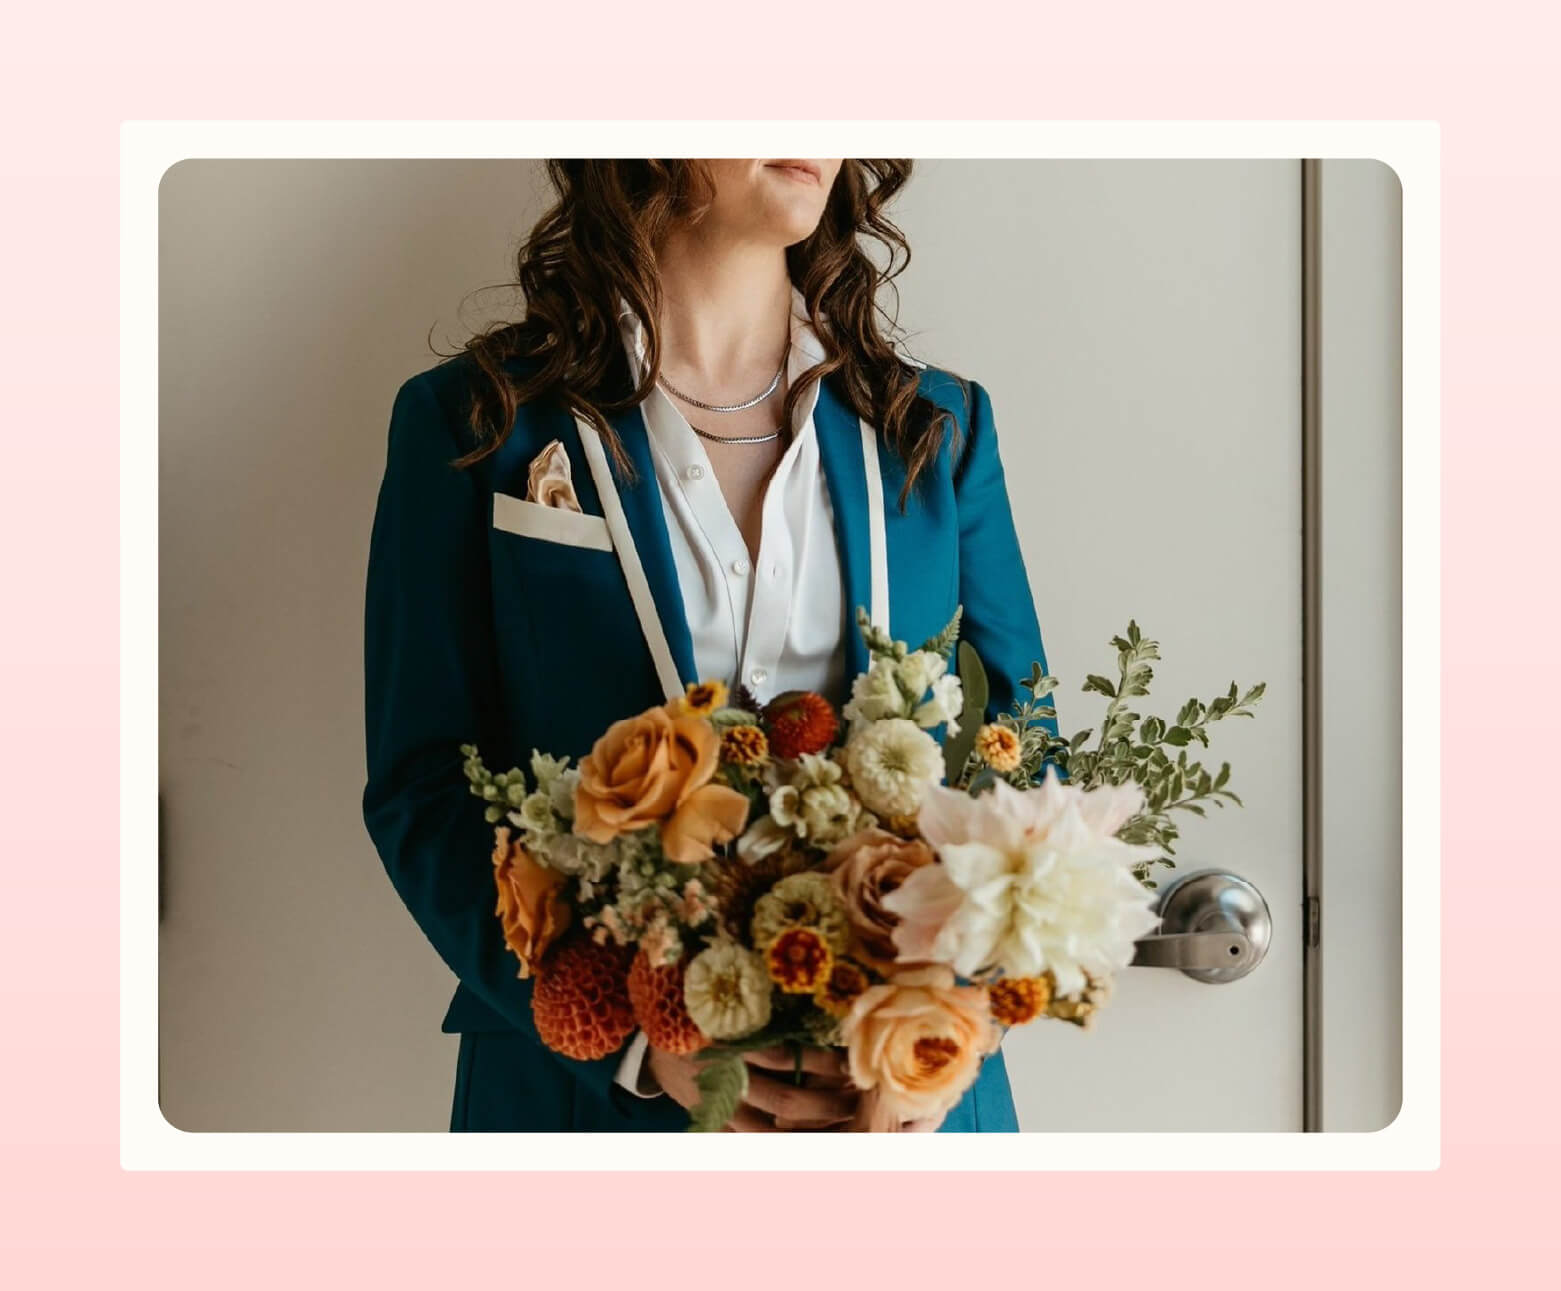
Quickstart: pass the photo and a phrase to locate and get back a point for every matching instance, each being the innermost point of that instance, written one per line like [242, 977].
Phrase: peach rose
[655, 769]
[867, 867]
[917, 1042]
[529, 905]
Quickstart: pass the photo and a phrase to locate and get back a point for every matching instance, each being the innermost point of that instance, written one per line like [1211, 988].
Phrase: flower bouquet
[900, 879]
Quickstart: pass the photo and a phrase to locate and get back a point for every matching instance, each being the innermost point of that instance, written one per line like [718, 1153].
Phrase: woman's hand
[826, 1100]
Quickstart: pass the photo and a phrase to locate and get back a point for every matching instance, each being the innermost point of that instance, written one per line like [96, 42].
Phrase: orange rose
[529, 904]
[655, 769]
[917, 1043]
[867, 867]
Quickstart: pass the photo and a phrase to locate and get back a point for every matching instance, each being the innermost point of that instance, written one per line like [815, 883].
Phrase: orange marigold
[581, 1001]
[999, 747]
[1017, 1000]
[839, 990]
[745, 746]
[656, 994]
[799, 960]
[800, 722]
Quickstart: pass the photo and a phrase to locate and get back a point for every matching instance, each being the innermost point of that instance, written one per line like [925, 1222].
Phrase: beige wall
[295, 993]
[1137, 326]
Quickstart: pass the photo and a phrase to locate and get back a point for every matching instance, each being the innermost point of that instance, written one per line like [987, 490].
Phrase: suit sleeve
[431, 683]
[1000, 620]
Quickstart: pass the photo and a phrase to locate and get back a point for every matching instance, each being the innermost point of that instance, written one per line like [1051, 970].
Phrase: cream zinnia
[892, 764]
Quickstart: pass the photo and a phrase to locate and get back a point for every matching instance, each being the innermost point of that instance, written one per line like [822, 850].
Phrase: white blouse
[775, 624]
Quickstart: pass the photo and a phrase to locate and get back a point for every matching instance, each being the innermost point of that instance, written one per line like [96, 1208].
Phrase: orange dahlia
[656, 994]
[800, 722]
[1017, 1000]
[581, 1001]
[799, 960]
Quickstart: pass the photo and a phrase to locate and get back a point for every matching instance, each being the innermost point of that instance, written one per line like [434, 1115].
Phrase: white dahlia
[1028, 882]
[892, 764]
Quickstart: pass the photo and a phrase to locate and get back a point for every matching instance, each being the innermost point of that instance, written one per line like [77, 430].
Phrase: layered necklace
[730, 407]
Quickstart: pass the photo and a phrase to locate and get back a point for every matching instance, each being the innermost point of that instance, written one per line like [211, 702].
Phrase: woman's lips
[804, 171]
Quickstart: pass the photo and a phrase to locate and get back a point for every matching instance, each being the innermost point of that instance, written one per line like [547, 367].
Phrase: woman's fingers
[837, 1126]
[800, 1102]
[816, 1062]
[748, 1121]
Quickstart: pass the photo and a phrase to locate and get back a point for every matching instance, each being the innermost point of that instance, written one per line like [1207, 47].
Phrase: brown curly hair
[598, 244]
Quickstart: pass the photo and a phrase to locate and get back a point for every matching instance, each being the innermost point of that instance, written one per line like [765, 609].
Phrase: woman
[694, 458]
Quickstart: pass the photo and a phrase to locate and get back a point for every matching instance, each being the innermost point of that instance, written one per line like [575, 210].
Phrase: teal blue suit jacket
[478, 634]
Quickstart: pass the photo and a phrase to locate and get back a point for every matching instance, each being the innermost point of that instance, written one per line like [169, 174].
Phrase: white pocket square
[549, 482]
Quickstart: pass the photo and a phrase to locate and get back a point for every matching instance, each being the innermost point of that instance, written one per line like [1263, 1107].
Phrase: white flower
[764, 837]
[946, 704]
[919, 670]
[892, 764]
[1029, 882]
[545, 768]
[899, 688]
[727, 991]
[537, 818]
[561, 792]
[576, 856]
[807, 802]
[875, 694]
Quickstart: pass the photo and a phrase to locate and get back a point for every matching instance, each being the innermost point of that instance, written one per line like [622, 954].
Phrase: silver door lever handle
[1192, 950]
[1214, 926]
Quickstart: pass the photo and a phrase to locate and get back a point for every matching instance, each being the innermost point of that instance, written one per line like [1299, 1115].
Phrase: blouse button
[696, 472]
[758, 676]
[740, 567]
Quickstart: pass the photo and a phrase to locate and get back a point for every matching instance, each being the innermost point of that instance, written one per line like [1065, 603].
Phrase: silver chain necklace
[736, 439]
[726, 407]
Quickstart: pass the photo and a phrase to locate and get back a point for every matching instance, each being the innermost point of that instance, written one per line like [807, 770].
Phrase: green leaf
[972, 680]
[722, 1083]
[1102, 685]
[1178, 736]
[983, 780]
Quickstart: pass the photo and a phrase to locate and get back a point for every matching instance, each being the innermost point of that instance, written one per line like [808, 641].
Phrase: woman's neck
[726, 312]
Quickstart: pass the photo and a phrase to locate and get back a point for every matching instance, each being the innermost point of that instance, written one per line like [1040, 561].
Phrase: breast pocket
[550, 524]
[558, 591]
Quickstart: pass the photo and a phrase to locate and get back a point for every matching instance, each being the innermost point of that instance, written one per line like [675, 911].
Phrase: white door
[1138, 325]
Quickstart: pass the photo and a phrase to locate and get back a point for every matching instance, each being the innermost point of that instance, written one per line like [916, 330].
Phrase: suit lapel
[647, 528]
[840, 450]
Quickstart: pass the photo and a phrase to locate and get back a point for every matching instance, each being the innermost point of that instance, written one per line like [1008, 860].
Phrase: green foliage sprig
[1147, 751]
[502, 792]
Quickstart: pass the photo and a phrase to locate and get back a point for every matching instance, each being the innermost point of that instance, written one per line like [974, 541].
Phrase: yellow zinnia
[701, 699]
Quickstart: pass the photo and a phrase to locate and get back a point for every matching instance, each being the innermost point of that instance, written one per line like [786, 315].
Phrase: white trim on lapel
[877, 539]
[629, 559]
